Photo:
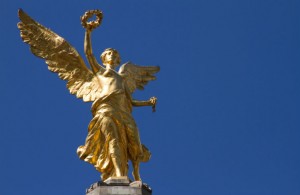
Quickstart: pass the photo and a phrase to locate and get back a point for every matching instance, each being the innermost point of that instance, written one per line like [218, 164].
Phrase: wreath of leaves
[91, 24]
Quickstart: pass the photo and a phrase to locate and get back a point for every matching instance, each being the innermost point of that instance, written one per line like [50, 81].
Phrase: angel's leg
[115, 149]
[136, 170]
[117, 166]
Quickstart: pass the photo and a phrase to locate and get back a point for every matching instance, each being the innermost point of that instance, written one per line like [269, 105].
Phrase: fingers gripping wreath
[94, 23]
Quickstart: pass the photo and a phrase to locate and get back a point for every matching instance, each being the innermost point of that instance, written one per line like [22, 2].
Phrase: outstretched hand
[153, 101]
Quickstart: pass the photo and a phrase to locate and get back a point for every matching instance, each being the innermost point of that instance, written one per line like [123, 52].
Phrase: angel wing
[136, 77]
[60, 57]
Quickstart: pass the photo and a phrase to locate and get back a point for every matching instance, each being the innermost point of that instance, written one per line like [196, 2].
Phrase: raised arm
[89, 26]
[89, 53]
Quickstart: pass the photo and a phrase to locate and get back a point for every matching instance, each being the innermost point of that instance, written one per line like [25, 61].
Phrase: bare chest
[110, 81]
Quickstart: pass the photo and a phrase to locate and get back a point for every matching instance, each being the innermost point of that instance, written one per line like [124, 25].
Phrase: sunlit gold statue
[113, 138]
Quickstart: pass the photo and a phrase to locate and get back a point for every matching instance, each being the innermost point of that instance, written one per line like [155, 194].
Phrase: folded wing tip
[158, 68]
[22, 15]
[20, 12]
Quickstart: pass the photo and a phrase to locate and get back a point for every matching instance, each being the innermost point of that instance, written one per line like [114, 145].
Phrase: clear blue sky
[227, 119]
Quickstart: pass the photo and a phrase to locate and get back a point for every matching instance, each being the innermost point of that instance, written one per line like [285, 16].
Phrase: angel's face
[112, 58]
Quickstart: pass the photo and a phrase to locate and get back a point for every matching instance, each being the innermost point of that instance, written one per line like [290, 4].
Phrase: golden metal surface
[113, 137]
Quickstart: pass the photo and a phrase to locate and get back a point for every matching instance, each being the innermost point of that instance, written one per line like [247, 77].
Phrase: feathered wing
[136, 77]
[60, 57]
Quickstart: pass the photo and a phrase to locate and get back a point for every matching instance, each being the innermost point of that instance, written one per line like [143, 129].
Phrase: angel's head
[110, 57]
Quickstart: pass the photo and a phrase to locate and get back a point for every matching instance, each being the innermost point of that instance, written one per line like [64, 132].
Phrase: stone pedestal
[119, 186]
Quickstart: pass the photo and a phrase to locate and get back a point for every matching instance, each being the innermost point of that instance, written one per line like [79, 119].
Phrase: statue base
[119, 186]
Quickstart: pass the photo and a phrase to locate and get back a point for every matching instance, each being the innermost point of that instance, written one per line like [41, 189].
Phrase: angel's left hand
[153, 101]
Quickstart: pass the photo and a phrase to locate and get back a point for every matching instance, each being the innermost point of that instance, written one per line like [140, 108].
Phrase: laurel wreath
[91, 24]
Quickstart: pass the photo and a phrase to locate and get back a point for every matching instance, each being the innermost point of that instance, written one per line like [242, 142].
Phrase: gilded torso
[113, 91]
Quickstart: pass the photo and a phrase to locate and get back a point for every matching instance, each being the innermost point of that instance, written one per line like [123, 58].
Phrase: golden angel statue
[113, 137]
